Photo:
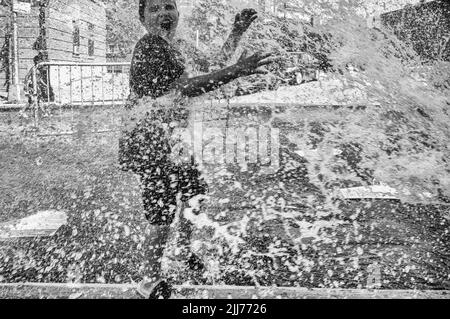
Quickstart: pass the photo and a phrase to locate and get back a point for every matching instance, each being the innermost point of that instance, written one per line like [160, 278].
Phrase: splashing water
[394, 132]
[273, 216]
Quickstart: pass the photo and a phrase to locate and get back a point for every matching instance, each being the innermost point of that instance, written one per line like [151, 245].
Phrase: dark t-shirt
[146, 149]
[155, 66]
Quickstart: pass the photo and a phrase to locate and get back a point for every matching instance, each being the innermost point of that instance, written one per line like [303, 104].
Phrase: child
[158, 68]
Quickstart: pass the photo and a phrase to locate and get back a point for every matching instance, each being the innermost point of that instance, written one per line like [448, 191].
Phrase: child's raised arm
[242, 22]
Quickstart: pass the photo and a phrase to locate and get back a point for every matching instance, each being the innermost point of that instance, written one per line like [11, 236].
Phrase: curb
[128, 291]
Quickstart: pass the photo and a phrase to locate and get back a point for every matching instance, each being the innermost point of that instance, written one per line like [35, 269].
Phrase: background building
[51, 30]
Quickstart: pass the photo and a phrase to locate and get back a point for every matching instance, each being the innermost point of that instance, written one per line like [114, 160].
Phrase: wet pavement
[267, 225]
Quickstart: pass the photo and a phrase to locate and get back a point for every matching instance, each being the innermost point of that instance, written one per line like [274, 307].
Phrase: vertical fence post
[70, 95]
[103, 83]
[123, 86]
[92, 85]
[34, 96]
[112, 84]
[81, 84]
[47, 67]
[59, 91]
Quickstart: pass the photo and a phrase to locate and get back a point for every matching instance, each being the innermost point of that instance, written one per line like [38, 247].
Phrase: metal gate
[67, 87]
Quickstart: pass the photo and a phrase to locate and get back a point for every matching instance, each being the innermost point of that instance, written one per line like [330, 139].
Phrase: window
[114, 69]
[111, 49]
[91, 47]
[76, 38]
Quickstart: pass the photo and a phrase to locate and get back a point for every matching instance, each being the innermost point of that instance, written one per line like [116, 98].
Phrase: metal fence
[71, 85]
[84, 84]
[65, 89]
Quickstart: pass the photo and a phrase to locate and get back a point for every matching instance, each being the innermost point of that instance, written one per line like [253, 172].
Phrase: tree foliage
[123, 26]
[211, 18]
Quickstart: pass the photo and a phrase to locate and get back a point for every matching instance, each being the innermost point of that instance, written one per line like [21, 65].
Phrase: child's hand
[243, 20]
[249, 65]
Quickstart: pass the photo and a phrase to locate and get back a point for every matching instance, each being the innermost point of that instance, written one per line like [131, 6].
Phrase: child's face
[161, 18]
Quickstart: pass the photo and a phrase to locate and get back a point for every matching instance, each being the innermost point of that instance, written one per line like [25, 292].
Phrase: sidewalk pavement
[127, 291]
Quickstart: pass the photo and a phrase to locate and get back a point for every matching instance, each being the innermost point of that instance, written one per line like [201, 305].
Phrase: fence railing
[72, 84]
[53, 86]
[63, 83]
